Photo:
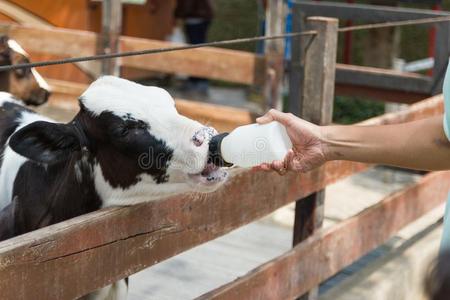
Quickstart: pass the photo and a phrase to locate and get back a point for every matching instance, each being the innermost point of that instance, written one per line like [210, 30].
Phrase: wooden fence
[72, 258]
[378, 83]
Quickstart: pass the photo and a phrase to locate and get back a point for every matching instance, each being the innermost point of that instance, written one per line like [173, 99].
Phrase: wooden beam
[327, 252]
[209, 62]
[274, 54]
[53, 41]
[382, 79]
[213, 63]
[296, 63]
[316, 105]
[433, 106]
[111, 31]
[378, 94]
[364, 12]
[113, 243]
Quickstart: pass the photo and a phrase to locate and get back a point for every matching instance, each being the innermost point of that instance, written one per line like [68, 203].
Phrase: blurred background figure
[196, 16]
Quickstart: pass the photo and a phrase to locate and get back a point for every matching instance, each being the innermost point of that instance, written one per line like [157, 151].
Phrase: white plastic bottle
[250, 145]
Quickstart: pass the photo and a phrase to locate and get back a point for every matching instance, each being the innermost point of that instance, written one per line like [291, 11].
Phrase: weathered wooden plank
[59, 42]
[111, 31]
[316, 105]
[113, 243]
[214, 63]
[320, 69]
[208, 62]
[364, 12]
[426, 108]
[382, 79]
[327, 252]
[274, 54]
[378, 94]
[296, 63]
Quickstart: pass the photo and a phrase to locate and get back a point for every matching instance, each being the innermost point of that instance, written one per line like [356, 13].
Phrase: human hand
[307, 150]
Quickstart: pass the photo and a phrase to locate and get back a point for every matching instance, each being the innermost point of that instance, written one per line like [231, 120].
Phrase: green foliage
[348, 110]
[235, 19]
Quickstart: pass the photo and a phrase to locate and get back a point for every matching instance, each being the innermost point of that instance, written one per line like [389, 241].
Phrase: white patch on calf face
[40, 80]
[16, 47]
[123, 97]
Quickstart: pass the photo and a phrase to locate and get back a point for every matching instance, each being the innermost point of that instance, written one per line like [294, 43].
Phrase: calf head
[25, 84]
[131, 138]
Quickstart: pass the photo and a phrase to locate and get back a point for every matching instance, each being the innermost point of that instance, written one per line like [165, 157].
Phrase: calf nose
[202, 135]
[45, 94]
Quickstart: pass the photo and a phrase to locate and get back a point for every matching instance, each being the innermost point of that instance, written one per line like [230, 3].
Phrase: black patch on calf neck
[52, 194]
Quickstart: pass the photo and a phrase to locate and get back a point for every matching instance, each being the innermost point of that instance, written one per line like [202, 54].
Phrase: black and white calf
[127, 144]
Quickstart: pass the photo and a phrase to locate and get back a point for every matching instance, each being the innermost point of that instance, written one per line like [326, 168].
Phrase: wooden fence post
[318, 66]
[274, 54]
[111, 30]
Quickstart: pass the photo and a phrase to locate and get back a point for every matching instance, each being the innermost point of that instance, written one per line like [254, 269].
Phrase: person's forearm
[416, 145]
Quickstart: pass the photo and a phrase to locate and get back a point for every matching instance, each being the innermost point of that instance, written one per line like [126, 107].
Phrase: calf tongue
[209, 169]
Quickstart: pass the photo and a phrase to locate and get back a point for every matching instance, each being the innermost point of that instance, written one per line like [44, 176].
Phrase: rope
[219, 43]
[396, 24]
[151, 51]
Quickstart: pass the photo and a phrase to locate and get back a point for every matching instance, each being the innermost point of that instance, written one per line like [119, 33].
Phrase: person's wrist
[326, 137]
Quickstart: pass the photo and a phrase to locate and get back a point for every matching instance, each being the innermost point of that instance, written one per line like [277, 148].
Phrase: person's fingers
[279, 167]
[264, 119]
[275, 115]
[288, 159]
[262, 167]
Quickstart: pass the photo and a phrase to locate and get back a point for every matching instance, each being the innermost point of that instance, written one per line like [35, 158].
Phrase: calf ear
[45, 142]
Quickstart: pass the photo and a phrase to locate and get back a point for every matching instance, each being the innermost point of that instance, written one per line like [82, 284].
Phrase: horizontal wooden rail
[432, 106]
[350, 78]
[213, 63]
[328, 251]
[51, 263]
[365, 12]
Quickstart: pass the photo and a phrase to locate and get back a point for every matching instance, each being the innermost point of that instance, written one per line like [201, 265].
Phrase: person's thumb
[274, 115]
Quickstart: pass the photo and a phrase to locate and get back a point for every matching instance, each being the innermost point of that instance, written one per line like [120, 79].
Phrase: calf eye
[124, 131]
[20, 73]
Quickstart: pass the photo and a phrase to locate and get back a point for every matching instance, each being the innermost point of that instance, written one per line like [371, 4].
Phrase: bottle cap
[215, 155]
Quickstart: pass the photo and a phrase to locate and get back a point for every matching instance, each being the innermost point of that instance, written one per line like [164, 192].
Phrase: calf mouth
[38, 98]
[210, 175]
